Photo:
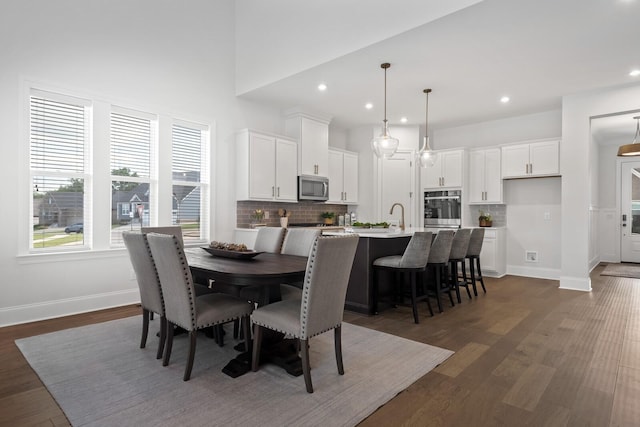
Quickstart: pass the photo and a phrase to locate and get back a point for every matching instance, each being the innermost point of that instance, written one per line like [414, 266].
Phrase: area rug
[100, 377]
[622, 270]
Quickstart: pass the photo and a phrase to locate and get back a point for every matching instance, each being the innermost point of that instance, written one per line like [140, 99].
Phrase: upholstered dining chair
[321, 307]
[410, 264]
[147, 277]
[297, 241]
[473, 255]
[174, 230]
[182, 307]
[269, 239]
[459, 247]
[438, 262]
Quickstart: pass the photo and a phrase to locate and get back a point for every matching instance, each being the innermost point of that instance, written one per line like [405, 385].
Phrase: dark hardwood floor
[527, 353]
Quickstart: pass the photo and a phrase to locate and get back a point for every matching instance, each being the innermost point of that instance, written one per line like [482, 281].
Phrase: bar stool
[438, 262]
[411, 263]
[473, 255]
[459, 248]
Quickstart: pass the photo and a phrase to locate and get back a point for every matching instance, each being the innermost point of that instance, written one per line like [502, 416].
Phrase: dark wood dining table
[265, 271]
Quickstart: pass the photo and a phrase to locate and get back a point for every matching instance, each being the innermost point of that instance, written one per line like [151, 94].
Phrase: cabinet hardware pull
[273, 191]
[345, 195]
[531, 168]
[278, 191]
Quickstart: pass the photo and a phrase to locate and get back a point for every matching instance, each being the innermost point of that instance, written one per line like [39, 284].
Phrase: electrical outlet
[531, 256]
[547, 216]
[266, 214]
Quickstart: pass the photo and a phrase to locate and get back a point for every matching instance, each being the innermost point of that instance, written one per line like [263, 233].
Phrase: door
[262, 165]
[476, 177]
[515, 159]
[452, 169]
[336, 177]
[397, 187]
[431, 175]
[544, 158]
[492, 176]
[630, 212]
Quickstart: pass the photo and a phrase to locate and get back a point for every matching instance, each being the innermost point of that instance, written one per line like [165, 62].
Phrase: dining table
[265, 272]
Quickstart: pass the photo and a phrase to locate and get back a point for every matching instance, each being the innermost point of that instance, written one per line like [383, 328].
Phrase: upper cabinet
[343, 177]
[446, 172]
[312, 134]
[531, 160]
[485, 179]
[266, 167]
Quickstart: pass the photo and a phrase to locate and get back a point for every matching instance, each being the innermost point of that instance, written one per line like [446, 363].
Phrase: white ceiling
[534, 51]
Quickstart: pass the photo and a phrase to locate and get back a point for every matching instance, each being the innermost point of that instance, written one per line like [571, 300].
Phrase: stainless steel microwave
[313, 188]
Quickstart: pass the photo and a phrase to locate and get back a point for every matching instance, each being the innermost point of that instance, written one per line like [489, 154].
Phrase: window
[132, 139]
[96, 170]
[59, 129]
[189, 170]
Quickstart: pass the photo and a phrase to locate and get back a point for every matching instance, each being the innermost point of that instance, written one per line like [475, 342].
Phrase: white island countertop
[377, 233]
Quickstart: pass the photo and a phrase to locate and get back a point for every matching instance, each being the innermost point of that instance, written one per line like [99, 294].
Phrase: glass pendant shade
[384, 146]
[426, 156]
[632, 149]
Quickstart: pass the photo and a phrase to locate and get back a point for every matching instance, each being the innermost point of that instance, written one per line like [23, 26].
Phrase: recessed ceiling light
[368, 106]
[322, 87]
[504, 99]
[404, 120]
[634, 73]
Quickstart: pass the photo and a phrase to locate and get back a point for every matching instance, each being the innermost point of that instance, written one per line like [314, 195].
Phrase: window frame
[86, 175]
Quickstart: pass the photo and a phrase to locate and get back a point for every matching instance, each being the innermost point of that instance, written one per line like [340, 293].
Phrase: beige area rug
[622, 270]
[100, 377]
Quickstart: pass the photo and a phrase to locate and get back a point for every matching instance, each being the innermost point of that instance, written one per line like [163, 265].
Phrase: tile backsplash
[308, 212]
[497, 212]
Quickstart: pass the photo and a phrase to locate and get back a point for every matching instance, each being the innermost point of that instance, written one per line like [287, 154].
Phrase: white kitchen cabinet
[493, 260]
[485, 179]
[266, 167]
[313, 138]
[343, 177]
[531, 160]
[445, 173]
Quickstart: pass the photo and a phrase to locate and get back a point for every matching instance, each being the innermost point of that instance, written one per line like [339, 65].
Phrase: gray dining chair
[269, 239]
[473, 255]
[182, 307]
[437, 264]
[321, 307]
[297, 241]
[173, 230]
[148, 283]
[459, 247]
[410, 264]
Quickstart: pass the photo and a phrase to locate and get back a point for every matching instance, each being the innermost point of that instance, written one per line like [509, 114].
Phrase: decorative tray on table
[230, 250]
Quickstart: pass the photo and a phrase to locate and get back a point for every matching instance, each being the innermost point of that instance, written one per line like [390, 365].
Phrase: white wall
[148, 54]
[281, 38]
[521, 128]
[578, 155]
[529, 203]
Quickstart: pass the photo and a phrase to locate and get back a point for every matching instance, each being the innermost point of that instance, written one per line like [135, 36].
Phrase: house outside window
[59, 143]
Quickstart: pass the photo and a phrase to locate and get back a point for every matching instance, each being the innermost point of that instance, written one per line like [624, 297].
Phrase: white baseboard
[539, 273]
[65, 307]
[575, 283]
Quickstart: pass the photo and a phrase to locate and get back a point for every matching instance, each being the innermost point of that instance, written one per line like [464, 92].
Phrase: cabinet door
[488, 255]
[350, 176]
[515, 159]
[452, 168]
[476, 176]
[336, 177]
[262, 163]
[286, 170]
[492, 176]
[544, 158]
[314, 147]
[430, 176]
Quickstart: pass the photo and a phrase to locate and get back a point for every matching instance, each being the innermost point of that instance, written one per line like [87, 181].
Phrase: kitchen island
[373, 244]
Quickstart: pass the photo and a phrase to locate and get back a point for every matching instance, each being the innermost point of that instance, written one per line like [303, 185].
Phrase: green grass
[63, 238]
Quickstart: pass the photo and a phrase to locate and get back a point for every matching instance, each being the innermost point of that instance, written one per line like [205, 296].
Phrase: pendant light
[426, 156]
[385, 145]
[632, 149]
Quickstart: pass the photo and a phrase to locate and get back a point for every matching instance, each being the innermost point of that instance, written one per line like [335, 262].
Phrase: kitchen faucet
[401, 212]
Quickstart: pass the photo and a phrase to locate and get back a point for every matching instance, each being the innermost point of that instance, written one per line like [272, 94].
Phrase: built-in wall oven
[442, 209]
